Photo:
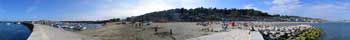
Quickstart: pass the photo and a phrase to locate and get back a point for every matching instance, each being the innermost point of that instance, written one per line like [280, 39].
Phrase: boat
[18, 22]
[8, 23]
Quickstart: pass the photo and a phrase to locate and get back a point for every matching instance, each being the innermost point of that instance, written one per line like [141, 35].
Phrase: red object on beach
[232, 23]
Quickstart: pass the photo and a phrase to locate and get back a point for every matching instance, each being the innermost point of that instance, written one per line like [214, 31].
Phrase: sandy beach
[113, 31]
[179, 31]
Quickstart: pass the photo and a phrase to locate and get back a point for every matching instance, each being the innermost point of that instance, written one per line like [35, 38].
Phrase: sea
[334, 30]
[13, 31]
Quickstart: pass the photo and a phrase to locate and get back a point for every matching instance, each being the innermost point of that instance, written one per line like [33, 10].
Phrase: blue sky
[20, 10]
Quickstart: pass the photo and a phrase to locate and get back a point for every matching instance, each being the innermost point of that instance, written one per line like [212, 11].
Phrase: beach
[166, 31]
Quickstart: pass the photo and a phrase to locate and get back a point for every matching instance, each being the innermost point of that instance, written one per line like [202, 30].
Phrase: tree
[114, 20]
[206, 14]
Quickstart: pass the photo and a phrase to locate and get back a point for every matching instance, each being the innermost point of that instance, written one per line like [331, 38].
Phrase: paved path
[256, 36]
[44, 32]
[235, 34]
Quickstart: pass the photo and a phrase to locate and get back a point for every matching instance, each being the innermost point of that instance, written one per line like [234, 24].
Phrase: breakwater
[310, 34]
[289, 32]
[30, 26]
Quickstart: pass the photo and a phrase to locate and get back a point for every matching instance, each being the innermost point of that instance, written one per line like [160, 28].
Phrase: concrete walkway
[44, 32]
[256, 36]
[236, 34]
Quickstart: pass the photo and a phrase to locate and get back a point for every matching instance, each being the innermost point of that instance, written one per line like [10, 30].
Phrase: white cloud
[146, 6]
[196, 3]
[251, 6]
[329, 11]
[284, 6]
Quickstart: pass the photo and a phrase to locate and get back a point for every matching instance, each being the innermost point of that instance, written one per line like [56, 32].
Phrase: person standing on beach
[156, 28]
[224, 26]
[232, 24]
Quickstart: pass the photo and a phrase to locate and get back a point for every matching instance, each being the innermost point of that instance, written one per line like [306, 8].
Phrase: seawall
[30, 26]
[46, 32]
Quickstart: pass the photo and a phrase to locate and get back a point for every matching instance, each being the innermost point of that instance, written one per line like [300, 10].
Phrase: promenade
[236, 34]
[45, 32]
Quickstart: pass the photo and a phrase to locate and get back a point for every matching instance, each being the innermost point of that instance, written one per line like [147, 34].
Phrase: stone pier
[45, 32]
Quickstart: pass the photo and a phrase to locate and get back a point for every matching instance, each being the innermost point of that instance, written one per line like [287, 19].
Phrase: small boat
[84, 28]
[18, 22]
[71, 27]
[8, 23]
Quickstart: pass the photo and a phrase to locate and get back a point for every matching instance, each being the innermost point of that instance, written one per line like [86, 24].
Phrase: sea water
[334, 30]
[13, 31]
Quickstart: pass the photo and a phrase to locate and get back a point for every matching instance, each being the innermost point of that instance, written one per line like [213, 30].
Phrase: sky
[63, 10]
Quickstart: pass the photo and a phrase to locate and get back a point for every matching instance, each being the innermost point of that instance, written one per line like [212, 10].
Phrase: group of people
[225, 26]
